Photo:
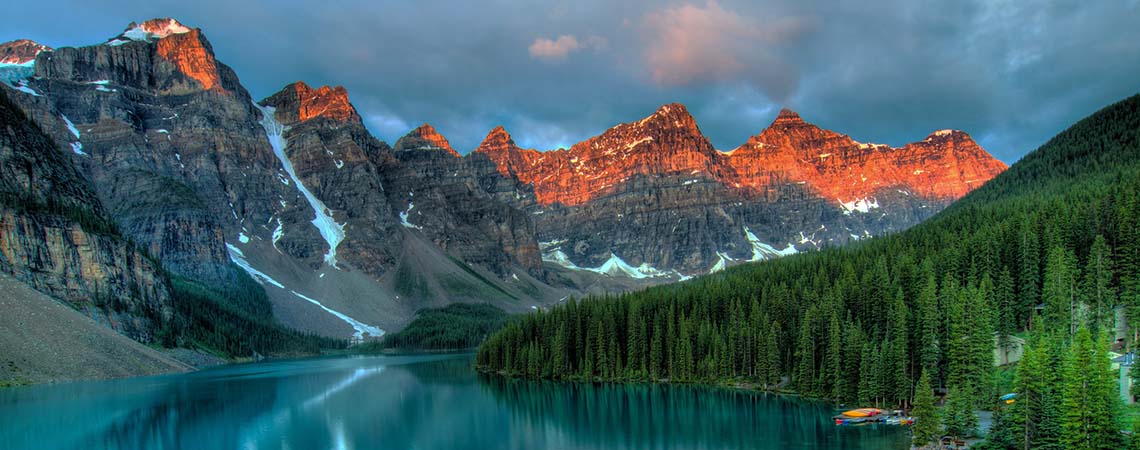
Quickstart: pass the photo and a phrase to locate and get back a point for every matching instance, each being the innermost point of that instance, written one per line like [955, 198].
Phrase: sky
[1012, 73]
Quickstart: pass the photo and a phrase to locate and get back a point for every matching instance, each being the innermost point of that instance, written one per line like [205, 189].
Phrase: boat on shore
[862, 416]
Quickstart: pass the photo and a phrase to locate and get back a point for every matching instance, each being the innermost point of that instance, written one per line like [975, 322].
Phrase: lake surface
[409, 402]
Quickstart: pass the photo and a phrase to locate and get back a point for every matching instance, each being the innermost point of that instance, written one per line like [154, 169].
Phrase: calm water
[412, 402]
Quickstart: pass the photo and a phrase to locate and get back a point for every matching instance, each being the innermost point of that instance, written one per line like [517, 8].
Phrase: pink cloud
[691, 44]
[558, 49]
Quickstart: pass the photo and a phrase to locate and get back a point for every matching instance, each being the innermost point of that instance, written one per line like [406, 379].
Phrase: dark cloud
[1012, 73]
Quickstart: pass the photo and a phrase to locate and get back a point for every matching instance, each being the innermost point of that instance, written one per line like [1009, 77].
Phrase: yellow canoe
[863, 412]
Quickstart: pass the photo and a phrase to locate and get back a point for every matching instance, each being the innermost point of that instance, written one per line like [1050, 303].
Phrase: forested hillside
[459, 326]
[860, 325]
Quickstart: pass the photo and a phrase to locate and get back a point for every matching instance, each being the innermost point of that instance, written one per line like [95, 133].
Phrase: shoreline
[197, 360]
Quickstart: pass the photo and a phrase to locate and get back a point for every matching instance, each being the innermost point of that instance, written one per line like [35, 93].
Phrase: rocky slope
[44, 341]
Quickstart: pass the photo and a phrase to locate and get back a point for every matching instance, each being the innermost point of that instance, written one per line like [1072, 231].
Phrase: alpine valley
[144, 188]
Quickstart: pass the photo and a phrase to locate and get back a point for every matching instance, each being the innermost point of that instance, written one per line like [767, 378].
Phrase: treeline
[861, 324]
[458, 326]
[237, 322]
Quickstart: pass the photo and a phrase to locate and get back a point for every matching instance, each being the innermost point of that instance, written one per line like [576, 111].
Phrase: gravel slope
[43, 341]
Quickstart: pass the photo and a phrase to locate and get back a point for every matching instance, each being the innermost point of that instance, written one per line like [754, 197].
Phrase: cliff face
[56, 237]
[171, 142]
[441, 197]
[339, 162]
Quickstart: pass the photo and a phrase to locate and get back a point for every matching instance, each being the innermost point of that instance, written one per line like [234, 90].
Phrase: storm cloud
[1011, 73]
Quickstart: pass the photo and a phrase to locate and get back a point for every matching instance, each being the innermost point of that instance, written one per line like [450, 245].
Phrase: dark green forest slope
[458, 326]
[861, 324]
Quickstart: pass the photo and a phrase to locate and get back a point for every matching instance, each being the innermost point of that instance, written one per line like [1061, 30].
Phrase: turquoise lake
[410, 402]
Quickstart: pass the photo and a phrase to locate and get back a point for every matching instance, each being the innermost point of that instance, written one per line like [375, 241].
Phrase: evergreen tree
[927, 427]
[898, 381]
[1134, 439]
[1059, 290]
[1038, 382]
[1029, 270]
[959, 416]
[929, 347]
[1097, 290]
[1089, 401]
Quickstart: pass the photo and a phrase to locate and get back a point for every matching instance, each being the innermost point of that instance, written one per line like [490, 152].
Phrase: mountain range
[150, 136]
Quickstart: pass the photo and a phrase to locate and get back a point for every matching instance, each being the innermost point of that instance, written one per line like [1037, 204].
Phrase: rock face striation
[56, 237]
[349, 235]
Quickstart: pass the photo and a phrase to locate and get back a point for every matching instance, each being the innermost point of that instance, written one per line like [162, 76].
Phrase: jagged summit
[21, 51]
[425, 137]
[947, 134]
[150, 30]
[670, 115]
[497, 139]
[325, 101]
[788, 117]
[299, 102]
[499, 133]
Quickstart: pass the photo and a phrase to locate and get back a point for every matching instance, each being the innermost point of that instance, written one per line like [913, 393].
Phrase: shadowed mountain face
[347, 233]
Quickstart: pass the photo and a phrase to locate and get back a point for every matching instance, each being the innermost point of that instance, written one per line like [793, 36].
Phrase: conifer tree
[1089, 401]
[959, 416]
[1097, 290]
[1058, 292]
[927, 426]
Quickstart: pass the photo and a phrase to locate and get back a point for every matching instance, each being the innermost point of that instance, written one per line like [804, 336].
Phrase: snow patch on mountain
[11, 71]
[404, 217]
[360, 327]
[614, 266]
[722, 260]
[238, 258]
[278, 233]
[16, 76]
[762, 250]
[332, 232]
[149, 30]
[862, 205]
[76, 146]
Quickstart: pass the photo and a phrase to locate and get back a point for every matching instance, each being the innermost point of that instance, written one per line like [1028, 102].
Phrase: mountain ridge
[348, 235]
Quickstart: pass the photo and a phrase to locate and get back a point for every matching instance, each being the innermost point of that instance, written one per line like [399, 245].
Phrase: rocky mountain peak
[425, 137]
[497, 139]
[791, 131]
[788, 117]
[21, 51]
[325, 101]
[670, 116]
[946, 135]
[299, 102]
[150, 31]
